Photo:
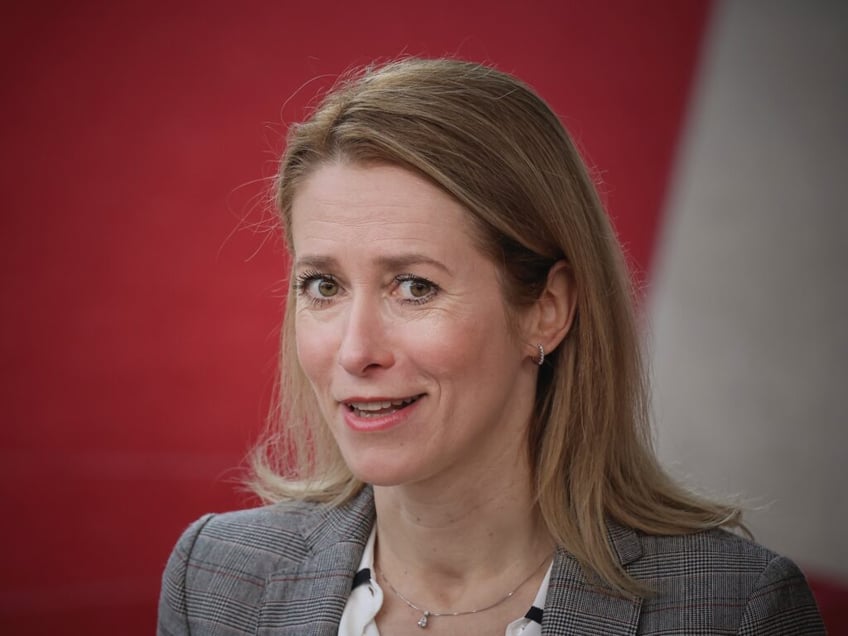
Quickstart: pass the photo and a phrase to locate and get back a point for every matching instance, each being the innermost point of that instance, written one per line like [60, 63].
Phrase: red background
[142, 286]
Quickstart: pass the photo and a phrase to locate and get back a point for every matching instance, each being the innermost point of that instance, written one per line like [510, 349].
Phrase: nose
[364, 345]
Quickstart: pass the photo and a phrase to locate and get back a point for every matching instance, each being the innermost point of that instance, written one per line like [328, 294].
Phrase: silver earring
[541, 357]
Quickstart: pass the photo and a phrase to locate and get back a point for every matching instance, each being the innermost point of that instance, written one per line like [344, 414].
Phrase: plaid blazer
[287, 569]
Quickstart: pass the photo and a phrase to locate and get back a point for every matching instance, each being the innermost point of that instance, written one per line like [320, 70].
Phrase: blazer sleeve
[173, 604]
[781, 603]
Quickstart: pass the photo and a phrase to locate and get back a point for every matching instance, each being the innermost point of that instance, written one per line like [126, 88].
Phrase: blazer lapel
[575, 606]
[307, 596]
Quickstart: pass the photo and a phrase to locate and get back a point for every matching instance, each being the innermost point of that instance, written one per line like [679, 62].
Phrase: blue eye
[416, 289]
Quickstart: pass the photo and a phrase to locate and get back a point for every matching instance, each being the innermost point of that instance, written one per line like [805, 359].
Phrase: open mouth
[380, 407]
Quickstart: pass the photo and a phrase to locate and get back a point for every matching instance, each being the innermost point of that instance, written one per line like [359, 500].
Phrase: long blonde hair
[491, 143]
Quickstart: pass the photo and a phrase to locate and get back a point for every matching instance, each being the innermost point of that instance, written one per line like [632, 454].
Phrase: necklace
[427, 614]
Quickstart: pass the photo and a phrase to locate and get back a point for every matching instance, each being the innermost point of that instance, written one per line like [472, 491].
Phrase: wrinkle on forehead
[346, 207]
[386, 261]
[394, 240]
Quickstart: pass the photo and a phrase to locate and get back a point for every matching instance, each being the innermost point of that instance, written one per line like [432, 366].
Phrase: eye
[416, 289]
[316, 286]
[324, 287]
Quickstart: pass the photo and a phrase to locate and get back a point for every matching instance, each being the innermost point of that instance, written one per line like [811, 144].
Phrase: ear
[549, 319]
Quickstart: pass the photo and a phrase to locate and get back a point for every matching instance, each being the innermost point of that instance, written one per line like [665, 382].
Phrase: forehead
[375, 206]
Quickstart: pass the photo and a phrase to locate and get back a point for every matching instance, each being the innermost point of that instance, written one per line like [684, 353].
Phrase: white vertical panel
[750, 299]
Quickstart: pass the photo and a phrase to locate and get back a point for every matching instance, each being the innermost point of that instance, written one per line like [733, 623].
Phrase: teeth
[371, 406]
[379, 406]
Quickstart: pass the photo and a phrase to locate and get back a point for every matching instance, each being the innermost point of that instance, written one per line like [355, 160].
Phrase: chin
[384, 477]
[381, 459]
[382, 471]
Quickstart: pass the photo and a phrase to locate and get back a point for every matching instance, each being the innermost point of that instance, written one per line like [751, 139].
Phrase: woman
[463, 443]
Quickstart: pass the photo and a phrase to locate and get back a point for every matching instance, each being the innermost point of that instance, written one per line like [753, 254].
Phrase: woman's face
[402, 331]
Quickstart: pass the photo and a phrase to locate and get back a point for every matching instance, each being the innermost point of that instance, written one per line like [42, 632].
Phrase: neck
[467, 543]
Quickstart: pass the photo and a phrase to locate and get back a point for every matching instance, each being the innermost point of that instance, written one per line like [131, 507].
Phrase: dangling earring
[541, 357]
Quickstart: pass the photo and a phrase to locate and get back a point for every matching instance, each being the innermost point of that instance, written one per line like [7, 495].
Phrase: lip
[377, 423]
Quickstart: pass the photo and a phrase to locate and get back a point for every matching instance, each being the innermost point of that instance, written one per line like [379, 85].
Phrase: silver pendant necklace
[427, 614]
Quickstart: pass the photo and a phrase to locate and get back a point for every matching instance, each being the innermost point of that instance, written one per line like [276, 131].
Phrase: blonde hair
[491, 143]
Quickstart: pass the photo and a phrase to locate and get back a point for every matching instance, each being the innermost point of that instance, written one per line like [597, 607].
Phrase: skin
[396, 303]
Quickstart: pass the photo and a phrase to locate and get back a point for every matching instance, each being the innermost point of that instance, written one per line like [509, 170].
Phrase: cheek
[457, 349]
[315, 349]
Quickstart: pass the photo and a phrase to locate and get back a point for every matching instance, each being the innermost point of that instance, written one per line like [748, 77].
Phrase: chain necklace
[427, 614]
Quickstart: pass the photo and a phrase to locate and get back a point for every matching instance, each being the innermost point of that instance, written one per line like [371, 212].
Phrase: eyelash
[434, 289]
[305, 279]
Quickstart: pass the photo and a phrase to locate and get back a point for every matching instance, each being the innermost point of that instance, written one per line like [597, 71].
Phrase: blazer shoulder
[227, 558]
[733, 582]
[716, 547]
[267, 535]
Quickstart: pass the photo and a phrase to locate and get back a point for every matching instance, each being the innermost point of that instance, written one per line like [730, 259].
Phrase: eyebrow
[400, 261]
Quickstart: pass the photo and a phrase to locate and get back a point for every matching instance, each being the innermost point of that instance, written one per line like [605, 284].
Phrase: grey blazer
[288, 568]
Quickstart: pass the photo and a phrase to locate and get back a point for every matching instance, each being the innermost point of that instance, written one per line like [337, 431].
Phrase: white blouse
[366, 599]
